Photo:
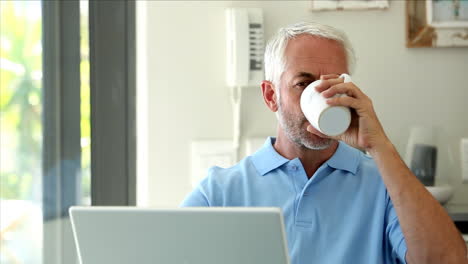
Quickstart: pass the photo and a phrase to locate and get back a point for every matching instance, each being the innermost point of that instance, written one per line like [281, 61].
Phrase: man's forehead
[314, 55]
[315, 65]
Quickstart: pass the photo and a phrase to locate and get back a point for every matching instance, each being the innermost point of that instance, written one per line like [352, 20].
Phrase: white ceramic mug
[329, 120]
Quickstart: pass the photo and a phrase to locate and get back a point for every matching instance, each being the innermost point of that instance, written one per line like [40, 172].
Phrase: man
[339, 205]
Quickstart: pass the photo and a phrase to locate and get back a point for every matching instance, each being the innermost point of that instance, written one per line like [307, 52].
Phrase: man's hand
[414, 205]
[365, 131]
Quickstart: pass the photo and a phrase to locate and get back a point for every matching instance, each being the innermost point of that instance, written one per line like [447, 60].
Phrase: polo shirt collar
[345, 158]
[267, 159]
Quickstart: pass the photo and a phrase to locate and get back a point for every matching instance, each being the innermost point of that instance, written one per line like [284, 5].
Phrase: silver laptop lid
[183, 236]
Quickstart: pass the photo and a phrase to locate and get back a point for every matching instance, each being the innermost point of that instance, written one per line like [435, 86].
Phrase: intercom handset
[245, 46]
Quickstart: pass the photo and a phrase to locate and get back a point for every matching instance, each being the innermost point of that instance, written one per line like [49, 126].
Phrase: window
[33, 193]
[49, 76]
[21, 132]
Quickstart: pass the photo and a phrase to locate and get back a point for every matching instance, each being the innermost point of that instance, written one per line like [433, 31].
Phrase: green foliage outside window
[20, 100]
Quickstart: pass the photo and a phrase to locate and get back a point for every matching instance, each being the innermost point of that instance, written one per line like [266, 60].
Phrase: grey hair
[275, 61]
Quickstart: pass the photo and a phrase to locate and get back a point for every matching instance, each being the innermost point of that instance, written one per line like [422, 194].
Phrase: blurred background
[128, 103]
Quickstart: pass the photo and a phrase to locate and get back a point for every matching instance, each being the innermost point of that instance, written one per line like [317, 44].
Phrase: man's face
[307, 58]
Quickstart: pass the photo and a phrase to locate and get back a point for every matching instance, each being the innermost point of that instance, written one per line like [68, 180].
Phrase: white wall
[187, 97]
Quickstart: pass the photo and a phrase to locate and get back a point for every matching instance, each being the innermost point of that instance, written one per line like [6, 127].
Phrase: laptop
[208, 235]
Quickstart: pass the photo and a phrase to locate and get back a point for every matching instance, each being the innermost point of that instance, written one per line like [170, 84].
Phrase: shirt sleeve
[205, 194]
[395, 235]
[197, 198]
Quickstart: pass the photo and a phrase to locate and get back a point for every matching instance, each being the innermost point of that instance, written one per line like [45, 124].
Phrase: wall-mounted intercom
[245, 46]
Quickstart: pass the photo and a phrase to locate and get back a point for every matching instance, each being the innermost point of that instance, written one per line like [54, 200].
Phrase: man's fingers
[329, 76]
[344, 101]
[325, 84]
[341, 88]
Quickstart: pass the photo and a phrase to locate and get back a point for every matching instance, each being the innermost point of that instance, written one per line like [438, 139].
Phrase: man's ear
[269, 95]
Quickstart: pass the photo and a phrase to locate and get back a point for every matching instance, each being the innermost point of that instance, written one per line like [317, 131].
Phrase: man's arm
[195, 199]
[430, 235]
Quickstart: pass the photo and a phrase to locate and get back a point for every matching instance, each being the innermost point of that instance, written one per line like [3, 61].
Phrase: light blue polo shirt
[342, 214]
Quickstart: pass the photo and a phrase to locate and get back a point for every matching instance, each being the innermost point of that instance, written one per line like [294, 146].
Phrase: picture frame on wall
[329, 5]
[437, 23]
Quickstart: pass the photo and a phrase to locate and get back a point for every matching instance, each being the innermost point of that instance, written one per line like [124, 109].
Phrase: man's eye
[302, 84]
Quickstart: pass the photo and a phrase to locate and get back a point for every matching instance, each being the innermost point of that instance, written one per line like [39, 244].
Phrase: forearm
[430, 234]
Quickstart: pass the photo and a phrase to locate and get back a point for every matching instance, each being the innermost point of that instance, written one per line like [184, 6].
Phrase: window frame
[113, 114]
[113, 102]
[61, 151]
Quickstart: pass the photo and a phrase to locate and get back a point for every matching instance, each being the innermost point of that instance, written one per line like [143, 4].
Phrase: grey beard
[292, 127]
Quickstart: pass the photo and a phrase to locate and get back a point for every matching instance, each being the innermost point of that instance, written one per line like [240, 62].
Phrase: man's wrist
[385, 146]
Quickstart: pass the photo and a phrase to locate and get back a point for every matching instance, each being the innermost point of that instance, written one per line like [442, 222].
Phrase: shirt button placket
[301, 181]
